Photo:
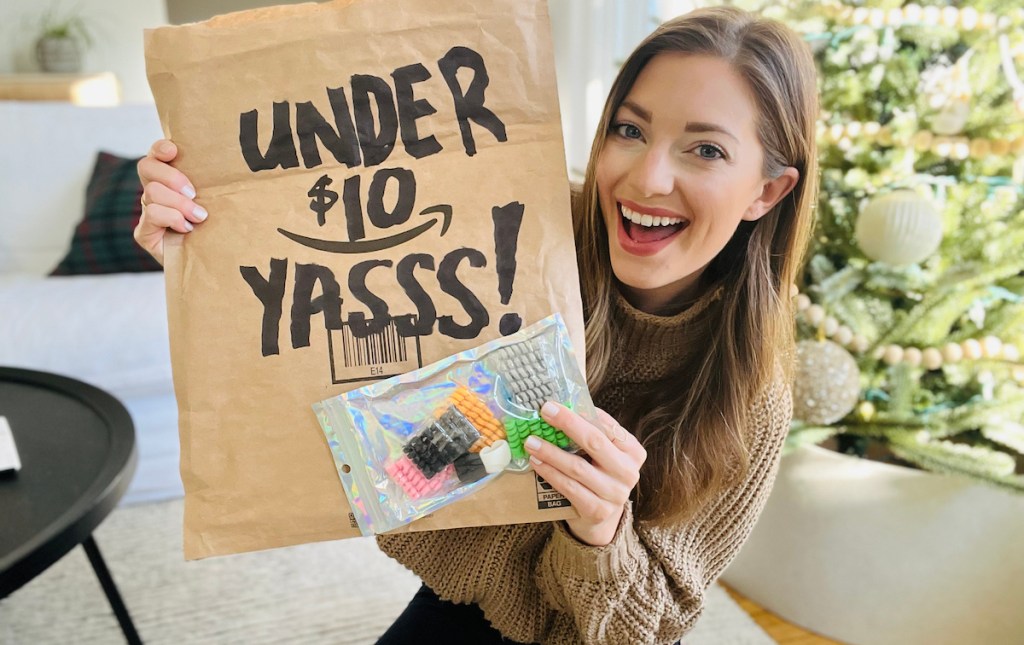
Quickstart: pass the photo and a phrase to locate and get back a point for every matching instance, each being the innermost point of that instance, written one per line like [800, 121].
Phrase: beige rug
[344, 592]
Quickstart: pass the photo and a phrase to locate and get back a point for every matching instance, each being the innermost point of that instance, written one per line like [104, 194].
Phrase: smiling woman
[690, 226]
[676, 178]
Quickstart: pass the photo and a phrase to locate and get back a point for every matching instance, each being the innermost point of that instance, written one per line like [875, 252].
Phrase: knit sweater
[538, 583]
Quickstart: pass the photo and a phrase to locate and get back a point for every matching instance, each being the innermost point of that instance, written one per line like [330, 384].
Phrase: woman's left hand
[598, 489]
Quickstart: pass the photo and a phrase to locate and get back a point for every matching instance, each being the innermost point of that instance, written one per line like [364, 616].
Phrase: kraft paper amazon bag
[386, 186]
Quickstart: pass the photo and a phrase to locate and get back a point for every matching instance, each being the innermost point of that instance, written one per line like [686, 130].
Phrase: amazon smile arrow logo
[369, 246]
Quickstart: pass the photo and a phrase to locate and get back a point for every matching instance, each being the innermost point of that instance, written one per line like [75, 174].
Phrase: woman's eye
[708, 151]
[627, 130]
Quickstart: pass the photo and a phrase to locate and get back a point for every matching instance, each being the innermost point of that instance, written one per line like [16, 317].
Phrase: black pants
[428, 619]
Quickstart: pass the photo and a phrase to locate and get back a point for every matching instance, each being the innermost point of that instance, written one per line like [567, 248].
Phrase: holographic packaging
[411, 444]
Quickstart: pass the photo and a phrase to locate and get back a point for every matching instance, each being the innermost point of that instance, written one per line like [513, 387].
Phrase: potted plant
[64, 37]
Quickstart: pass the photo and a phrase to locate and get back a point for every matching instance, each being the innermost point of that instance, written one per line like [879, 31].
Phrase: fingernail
[188, 226]
[200, 213]
[188, 191]
[536, 461]
[166, 148]
[550, 409]
[532, 442]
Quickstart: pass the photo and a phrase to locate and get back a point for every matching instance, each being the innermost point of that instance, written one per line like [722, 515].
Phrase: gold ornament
[827, 382]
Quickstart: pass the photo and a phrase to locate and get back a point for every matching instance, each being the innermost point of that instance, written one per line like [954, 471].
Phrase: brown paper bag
[386, 186]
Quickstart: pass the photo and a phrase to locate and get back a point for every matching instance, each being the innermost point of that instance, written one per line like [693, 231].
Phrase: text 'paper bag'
[386, 186]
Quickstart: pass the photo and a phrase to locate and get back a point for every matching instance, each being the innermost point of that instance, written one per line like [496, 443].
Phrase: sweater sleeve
[648, 584]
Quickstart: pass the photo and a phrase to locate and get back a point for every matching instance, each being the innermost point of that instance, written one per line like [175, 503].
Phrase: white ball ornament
[952, 352]
[893, 354]
[950, 16]
[972, 349]
[830, 326]
[961, 149]
[952, 118]
[826, 386]
[1011, 353]
[980, 148]
[991, 347]
[843, 336]
[860, 343]
[969, 18]
[931, 358]
[815, 314]
[802, 302]
[912, 356]
[899, 228]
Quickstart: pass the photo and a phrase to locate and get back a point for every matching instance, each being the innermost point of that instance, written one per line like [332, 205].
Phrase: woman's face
[680, 168]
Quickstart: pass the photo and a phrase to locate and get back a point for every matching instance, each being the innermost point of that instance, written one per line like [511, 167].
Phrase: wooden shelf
[81, 89]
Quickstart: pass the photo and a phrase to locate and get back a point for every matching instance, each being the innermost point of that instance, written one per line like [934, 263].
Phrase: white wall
[117, 29]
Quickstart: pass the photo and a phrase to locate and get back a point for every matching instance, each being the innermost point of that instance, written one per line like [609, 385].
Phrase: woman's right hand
[167, 197]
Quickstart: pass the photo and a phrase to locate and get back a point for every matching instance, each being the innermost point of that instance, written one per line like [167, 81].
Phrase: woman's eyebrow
[700, 126]
[637, 110]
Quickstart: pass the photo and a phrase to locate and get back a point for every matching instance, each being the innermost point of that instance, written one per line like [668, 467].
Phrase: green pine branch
[975, 462]
[943, 306]
[1008, 435]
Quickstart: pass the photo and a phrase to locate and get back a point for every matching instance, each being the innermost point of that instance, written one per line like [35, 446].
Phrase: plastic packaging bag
[411, 444]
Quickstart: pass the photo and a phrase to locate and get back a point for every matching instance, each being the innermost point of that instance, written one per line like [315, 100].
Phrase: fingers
[547, 457]
[153, 225]
[157, 217]
[156, 193]
[164, 150]
[586, 502]
[622, 438]
[167, 199]
[612, 429]
[154, 168]
[621, 457]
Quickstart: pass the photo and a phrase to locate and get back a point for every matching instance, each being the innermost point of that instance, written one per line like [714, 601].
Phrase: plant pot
[866, 553]
[61, 55]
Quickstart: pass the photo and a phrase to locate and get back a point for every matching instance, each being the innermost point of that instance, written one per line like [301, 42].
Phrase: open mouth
[648, 229]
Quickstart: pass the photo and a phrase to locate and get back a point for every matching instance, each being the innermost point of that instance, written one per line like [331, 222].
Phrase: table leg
[100, 567]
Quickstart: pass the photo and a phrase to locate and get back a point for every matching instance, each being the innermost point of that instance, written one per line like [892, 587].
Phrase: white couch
[108, 330]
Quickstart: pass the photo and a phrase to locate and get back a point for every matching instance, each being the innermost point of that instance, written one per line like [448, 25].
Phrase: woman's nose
[653, 173]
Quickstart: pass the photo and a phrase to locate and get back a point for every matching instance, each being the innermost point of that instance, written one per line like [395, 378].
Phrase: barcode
[376, 349]
[377, 356]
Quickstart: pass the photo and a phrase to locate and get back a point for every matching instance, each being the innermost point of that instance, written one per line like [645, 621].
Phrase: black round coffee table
[77, 449]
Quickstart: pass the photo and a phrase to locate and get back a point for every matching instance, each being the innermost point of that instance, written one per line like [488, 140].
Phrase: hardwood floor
[782, 632]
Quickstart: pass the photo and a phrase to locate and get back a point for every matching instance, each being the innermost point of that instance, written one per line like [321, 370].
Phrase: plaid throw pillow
[103, 241]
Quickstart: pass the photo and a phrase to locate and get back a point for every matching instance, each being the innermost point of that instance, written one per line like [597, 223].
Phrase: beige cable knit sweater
[537, 583]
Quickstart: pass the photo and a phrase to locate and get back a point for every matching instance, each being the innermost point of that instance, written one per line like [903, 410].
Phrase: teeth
[648, 220]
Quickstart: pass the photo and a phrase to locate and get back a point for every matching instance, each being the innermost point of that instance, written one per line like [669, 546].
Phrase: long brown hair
[694, 424]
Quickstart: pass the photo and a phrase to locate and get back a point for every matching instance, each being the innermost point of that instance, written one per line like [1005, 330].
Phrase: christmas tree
[911, 311]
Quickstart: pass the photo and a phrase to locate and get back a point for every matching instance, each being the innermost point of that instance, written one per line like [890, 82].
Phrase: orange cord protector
[477, 413]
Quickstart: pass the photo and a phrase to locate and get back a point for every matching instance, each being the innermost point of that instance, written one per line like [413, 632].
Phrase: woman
[690, 226]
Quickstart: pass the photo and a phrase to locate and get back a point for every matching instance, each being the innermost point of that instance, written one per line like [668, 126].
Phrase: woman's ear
[772, 193]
